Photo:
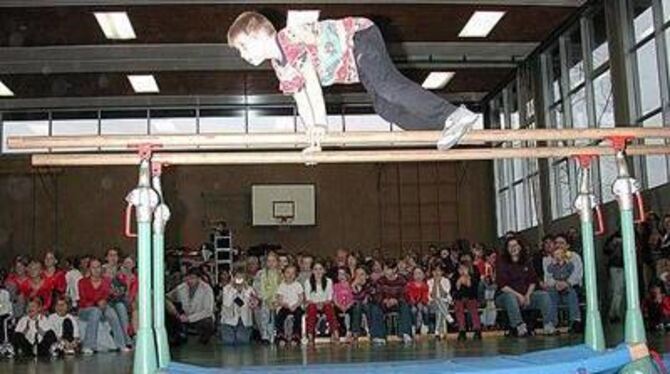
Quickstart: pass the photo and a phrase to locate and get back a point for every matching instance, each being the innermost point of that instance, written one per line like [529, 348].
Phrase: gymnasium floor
[215, 355]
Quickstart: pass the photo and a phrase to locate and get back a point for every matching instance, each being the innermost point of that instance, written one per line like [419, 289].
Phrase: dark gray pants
[395, 97]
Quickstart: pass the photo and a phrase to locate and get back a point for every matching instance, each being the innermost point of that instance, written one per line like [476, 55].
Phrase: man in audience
[190, 305]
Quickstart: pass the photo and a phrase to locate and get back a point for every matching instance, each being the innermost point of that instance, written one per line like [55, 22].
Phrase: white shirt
[318, 295]
[5, 303]
[72, 278]
[56, 323]
[443, 291]
[200, 306]
[290, 293]
[32, 333]
[231, 313]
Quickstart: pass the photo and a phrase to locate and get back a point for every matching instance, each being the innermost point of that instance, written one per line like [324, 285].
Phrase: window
[24, 124]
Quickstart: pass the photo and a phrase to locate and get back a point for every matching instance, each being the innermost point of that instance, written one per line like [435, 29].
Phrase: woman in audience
[124, 292]
[352, 264]
[266, 284]
[517, 283]
[391, 297]
[290, 296]
[111, 265]
[15, 279]
[37, 286]
[376, 270]
[319, 297]
[236, 311]
[363, 292]
[253, 266]
[466, 289]
[343, 298]
[94, 292]
[439, 299]
[54, 275]
[417, 297]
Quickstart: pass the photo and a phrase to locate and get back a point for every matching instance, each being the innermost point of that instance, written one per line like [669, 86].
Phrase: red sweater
[417, 292]
[43, 290]
[90, 296]
[57, 280]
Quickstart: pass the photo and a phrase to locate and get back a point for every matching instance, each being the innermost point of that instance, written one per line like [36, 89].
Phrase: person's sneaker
[406, 338]
[450, 319]
[461, 336]
[477, 335]
[126, 349]
[69, 351]
[521, 330]
[9, 351]
[457, 124]
[379, 341]
[87, 351]
[54, 350]
[549, 329]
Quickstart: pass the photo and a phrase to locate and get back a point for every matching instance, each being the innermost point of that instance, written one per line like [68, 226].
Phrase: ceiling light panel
[481, 24]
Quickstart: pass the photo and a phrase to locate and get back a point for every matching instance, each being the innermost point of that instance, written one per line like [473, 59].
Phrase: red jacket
[44, 291]
[131, 284]
[90, 296]
[417, 292]
[57, 280]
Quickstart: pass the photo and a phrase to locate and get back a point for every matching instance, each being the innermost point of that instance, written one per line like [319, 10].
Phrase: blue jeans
[235, 335]
[93, 317]
[420, 316]
[568, 296]
[124, 319]
[374, 316]
[538, 300]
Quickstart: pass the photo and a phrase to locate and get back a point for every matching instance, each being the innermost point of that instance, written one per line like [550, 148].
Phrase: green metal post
[624, 188]
[594, 336]
[161, 216]
[145, 200]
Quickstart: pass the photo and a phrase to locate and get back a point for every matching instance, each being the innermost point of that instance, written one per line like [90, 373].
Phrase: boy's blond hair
[249, 23]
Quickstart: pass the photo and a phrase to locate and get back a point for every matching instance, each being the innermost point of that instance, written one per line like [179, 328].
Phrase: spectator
[37, 286]
[613, 249]
[54, 275]
[352, 264]
[517, 283]
[192, 307]
[559, 280]
[6, 315]
[94, 292]
[343, 298]
[65, 327]
[290, 296]
[391, 298]
[417, 296]
[363, 291]
[33, 335]
[466, 287]
[239, 300]
[439, 299]
[319, 298]
[490, 312]
[376, 271]
[72, 277]
[266, 284]
[306, 263]
[13, 282]
[111, 265]
[576, 277]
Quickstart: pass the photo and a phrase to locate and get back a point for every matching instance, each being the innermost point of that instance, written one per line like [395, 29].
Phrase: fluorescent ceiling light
[143, 83]
[480, 24]
[5, 91]
[437, 80]
[115, 25]
[299, 17]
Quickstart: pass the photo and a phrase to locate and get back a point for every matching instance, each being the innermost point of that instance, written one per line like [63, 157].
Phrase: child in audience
[266, 284]
[466, 286]
[557, 279]
[319, 297]
[72, 277]
[490, 312]
[479, 260]
[439, 298]
[306, 263]
[65, 326]
[13, 283]
[6, 313]
[343, 298]
[391, 297]
[236, 311]
[33, 335]
[376, 270]
[37, 286]
[417, 297]
[364, 292]
[290, 296]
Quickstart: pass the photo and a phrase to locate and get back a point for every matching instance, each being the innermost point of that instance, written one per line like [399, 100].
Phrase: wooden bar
[331, 157]
[334, 139]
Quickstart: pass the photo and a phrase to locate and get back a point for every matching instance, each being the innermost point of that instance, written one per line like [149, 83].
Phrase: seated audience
[490, 312]
[306, 263]
[343, 299]
[517, 283]
[111, 265]
[17, 276]
[557, 280]
[37, 286]
[363, 292]
[191, 305]
[94, 293]
[65, 327]
[124, 293]
[54, 275]
[577, 276]
[266, 284]
[72, 277]
[439, 299]
[237, 304]
[319, 298]
[290, 296]
[376, 270]
[390, 296]
[6, 316]
[465, 292]
[33, 335]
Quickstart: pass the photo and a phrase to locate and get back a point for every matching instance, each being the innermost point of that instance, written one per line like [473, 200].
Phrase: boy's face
[33, 309]
[389, 271]
[306, 263]
[289, 274]
[61, 308]
[252, 48]
[418, 275]
[112, 257]
[49, 260]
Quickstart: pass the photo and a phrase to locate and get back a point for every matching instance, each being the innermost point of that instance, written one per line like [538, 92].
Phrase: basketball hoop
[284, 222]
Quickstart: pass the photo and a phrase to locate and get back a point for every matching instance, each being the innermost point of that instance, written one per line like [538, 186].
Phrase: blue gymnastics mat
[569, 360]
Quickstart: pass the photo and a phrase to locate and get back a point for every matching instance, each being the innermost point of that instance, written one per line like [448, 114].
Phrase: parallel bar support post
[624, 188]
[145, 200]
[161, 216]
[585, 203]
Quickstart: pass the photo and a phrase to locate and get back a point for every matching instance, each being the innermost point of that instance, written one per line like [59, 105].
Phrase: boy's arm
[311, 106]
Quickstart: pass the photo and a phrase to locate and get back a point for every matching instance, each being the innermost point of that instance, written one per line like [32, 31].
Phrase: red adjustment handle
[129, 216]
[639, 202]
[599, 220]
